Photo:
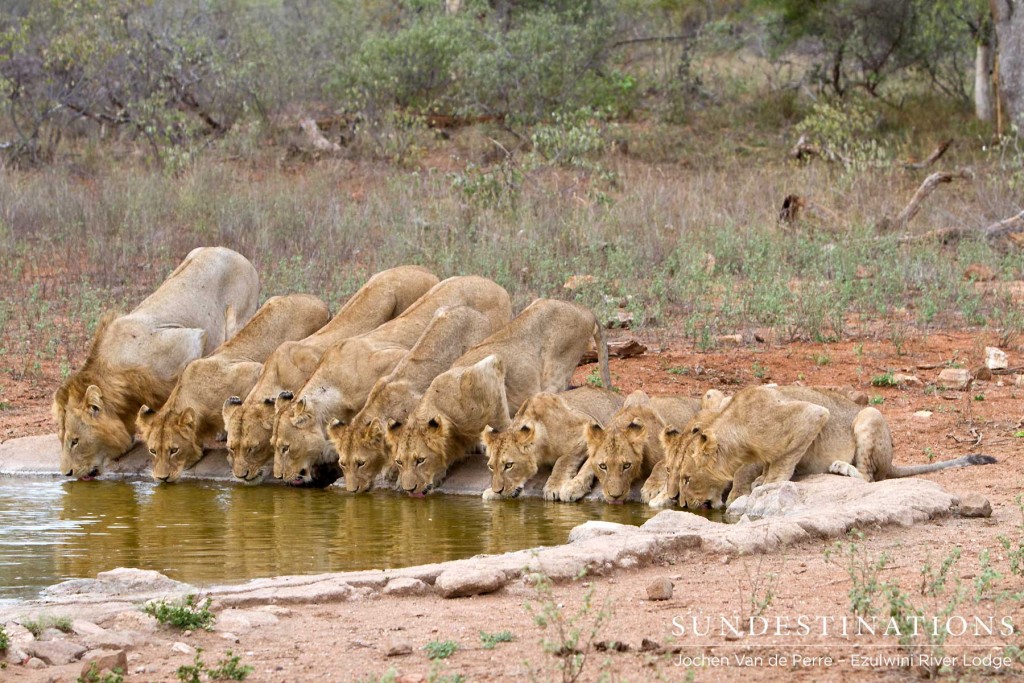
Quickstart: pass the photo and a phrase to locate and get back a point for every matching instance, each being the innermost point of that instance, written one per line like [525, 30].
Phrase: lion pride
[136, 359]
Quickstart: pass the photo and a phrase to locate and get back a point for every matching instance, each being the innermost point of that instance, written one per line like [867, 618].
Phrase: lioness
[137, 358]
[192, 414]
[341, 383]
[629, 449]
[548, 430]
[250, 422]
[787, 431]
[448, 421]
[362, 449]
[536, 352]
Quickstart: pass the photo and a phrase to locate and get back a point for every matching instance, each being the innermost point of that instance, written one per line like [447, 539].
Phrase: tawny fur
[348, 371]
[629, 450]
[136, 359]
[192, 415]
[362, 448]
[250, 422]
[549, 430]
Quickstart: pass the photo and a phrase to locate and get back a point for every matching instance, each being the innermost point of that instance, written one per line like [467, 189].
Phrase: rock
[595, 528]
[183, 648]
[228, 635]
[459, 583]
[955, 378]
[134, 621]
[121, 582]
[648, 645]
[113, 640]
[974, 505]
[405, 585]
[859, 397]
[1018, 380]
[981, 373]
[35, 663]
[52, 634]
[904, 379]
[276, 610]
[82, 627]
[923, 414]
[15, 655]
[659, 589]
[411, 678]
[621, 319]
[18, 634]
[770, 500]
[55, 652]
[243, 621]
[995, 359]
[734, 339]
[100, 661]
[397, 647]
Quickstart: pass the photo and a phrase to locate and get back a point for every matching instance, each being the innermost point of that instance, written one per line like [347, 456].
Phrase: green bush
[186, 614]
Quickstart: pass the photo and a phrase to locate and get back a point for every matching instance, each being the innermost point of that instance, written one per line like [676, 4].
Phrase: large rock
[99, 662]
[405, 585]
[120, 582]
[459, 582]
[113, 640]
[955, 378]
[660, 589]
[134, 620]
[81, 627]
[595, 528]
[770, 500]
[974, 505]
[55, 652]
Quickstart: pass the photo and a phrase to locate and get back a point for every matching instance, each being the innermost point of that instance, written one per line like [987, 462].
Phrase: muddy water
[218, 533]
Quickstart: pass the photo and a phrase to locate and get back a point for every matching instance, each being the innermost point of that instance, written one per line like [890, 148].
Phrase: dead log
[932, 158]
[315, 138]
[929, 185]
[621, 348]
[803, 151]
[1010, 229]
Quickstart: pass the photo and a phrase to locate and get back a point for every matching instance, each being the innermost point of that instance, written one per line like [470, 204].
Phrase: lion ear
[145, 415]
[488, 434]
[595, 434]
[526, 433]
[335, 426]
[393, 424]
[636, 399]
[94, 399]
[187, 419]
[375, 432]
[229, 407]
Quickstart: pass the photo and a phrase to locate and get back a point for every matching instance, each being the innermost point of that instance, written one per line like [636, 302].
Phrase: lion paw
[552, 494]
[572, 491]
[661, 501]
[489, 494]
[757, 482]
[844, 469]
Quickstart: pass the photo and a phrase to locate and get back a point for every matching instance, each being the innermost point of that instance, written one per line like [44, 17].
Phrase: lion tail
[965, 461]
[602, 355]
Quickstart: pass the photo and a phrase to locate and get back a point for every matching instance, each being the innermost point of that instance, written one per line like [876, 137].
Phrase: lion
[549, 430]
[447, 423]
[249, 422]
[137, 358]
[786, 431]
[629, 449]
[192, 415]
[363, 451]
[536, 352]
[341, 383]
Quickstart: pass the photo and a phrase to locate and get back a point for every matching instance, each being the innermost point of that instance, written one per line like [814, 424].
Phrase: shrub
[187, 614]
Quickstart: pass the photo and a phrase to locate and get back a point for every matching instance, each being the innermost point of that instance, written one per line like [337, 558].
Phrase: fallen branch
[932, 158]
[929, 185]
[622, 348]
[1008, 229]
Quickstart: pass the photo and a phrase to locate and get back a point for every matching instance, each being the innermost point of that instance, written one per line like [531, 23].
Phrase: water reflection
[206, 533]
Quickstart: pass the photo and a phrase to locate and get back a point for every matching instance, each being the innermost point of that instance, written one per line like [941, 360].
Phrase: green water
[207, 533]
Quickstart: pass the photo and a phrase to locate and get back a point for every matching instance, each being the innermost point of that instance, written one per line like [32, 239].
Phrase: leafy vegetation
[441, 649]
[188, 613]
[227, 669]
[93, 675]
[491, 640]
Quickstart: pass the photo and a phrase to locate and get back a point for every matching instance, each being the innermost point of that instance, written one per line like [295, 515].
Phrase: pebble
[659, 589]
[183, 648]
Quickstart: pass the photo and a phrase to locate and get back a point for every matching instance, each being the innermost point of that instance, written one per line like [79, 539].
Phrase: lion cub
[343, 380]
[786, 431]
[250, 422]
[536, 352]
[192, 415]
[629, 449]
[363, 451]
[549, 430]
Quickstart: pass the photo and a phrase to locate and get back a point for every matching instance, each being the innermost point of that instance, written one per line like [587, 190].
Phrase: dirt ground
[348, 641]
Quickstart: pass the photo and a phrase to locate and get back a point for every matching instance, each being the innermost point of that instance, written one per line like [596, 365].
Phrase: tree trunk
[1009, 22]
[983, 105]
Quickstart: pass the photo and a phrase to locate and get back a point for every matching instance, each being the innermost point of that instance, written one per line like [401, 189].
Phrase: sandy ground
[349, 641]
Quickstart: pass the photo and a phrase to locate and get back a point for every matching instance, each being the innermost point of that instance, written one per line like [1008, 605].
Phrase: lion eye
[360, 463]
[603, 467]
[686, 481]
[174, 451]
[420, 461]
[152, 451]
[508, 465]
[284, 449]
[626, 466]
[398, 463]
[74, 442]
[490, 467]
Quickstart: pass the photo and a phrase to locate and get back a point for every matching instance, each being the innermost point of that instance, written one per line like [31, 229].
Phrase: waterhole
[207, 533]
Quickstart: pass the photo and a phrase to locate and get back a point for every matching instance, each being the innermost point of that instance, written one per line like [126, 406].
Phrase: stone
[121, 581]
[734, 339]
[242, 621]
[15, 655]
[974, 505]
[397, 647]
[17, 633]
[113, 640]
[648, 645]
[659, 589]
[55, 652]
[35, 663]
[995, 359]
[595, 528]
[770, 500]
[411, 678]
[104, 661]
[51, 633]
[134, 621]
[459, 583]
[859, 397]
[1018, 381]
[405, 585]
[81, 627]
[923, 414]
[228, 635]
[955, 378]
[904, 379]
[183, 648]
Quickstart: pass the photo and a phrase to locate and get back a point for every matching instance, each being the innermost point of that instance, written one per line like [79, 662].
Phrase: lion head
[697, 480]
[172, 442]
[511, 457]
[617, 454]
[299, 440]
[250, 426]
[90, 432]
[362, 452]
[421, 449]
